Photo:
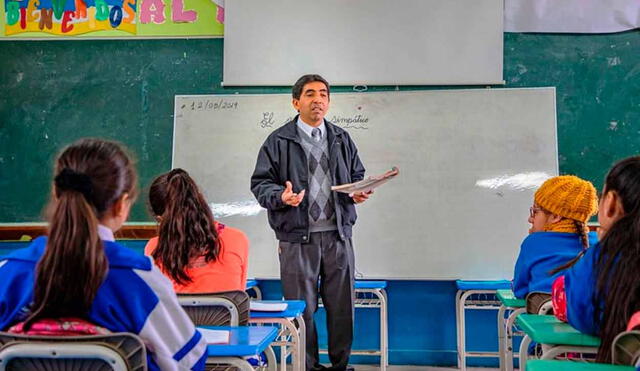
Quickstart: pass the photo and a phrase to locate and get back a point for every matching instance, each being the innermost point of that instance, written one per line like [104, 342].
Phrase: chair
[506, 329]
[252, 285]
[626, 348]
[118, 351]
[475, 295]
[229, 308]
[539, 303]
[372, 294]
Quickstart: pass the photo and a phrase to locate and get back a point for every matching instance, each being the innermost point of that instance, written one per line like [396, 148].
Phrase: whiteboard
[458, 209]
[363, 42]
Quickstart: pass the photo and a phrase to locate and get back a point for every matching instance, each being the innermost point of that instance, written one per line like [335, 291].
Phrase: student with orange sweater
[198, 254]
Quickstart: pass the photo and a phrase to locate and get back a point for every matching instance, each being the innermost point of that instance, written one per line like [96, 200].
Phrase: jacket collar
[290, 131]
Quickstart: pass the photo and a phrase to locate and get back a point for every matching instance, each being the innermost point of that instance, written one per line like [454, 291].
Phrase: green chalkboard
[53, 92]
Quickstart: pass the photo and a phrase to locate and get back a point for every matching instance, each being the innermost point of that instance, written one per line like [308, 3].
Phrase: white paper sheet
[260, 306]
[215, 336]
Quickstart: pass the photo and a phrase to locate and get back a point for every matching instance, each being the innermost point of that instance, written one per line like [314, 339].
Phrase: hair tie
[70, 180]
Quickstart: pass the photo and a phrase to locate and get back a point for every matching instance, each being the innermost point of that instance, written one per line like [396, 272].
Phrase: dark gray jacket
[282, 158]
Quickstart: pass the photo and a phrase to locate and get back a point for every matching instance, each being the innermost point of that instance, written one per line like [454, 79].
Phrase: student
[80, 272]
[602, 290]
[558, 234]
[198, 254]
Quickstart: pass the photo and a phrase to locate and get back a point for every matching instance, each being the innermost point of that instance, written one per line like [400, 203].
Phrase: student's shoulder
[585, 266]
[234, 235]
[534, 239]
[122, 257]
[151, 245]
[29, 254]
[543, 239]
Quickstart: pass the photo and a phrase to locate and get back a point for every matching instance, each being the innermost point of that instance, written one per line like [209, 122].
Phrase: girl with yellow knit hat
[558, 235]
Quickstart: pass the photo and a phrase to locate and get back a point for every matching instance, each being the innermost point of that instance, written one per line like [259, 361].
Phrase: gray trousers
[332, 260]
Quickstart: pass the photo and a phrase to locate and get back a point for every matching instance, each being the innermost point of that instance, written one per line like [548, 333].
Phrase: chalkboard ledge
[24, 231]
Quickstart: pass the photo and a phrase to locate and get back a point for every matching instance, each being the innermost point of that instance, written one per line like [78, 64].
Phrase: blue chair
[475, 295]
[292, 334]
[372, 294]
[252, 285]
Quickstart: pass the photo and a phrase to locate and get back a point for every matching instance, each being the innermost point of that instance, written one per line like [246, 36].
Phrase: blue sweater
[580, 287]
[540, 253]
[135, 297]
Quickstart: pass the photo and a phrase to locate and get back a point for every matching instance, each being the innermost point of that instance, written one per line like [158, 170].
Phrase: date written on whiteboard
[211, 105]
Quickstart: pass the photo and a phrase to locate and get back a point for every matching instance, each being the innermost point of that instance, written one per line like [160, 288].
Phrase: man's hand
[290, 198]
[360, 197]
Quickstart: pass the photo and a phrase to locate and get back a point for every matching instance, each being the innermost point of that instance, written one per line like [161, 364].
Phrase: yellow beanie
[568, 196]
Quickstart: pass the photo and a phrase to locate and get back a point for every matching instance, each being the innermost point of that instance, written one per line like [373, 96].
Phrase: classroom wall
[52, 92]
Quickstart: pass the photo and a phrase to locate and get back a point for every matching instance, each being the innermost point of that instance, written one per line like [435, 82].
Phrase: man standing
[296, 167]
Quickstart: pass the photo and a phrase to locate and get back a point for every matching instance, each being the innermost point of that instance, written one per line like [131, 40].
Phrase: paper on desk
[260, 306]
[214, 336]
[368, 183]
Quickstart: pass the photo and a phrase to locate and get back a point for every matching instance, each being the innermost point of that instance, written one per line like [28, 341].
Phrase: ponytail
[73, 265]
[92, 175]
[583, 231]
[186, 229]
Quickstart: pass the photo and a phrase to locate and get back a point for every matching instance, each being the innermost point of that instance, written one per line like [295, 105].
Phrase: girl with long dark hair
[80, 274]
[601, 292]
[197, 253]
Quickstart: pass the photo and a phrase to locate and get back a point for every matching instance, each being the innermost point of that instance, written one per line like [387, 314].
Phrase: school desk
[475, 295]
[291, 334]
[555, 336]
[244, 341]
[552, 365]
[514, 306]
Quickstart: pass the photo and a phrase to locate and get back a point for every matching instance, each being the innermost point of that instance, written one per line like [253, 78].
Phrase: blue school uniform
[135, 297]
[580, 286]
[540, 253]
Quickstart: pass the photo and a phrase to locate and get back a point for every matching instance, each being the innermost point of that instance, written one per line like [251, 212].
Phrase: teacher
[295, 169]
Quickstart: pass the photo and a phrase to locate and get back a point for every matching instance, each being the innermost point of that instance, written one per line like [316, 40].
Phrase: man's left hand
[360, 197]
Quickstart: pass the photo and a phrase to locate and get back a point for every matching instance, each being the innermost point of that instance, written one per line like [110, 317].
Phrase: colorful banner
[110, 18]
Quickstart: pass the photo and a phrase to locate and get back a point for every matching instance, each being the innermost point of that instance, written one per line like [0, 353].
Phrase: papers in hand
[215, 336]
[261, 306]
[368, 183]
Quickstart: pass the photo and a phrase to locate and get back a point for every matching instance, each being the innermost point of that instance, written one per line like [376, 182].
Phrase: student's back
[228, 272]
[540, 254]
[79, 271]
[558, 234]
[600, 292]
[196, 253]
